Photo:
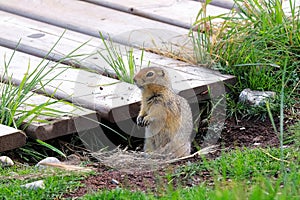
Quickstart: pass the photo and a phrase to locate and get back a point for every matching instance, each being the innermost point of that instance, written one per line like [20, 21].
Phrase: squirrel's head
[152, 76]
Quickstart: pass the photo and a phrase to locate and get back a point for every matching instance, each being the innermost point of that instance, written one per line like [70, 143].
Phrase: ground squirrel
[166, 115]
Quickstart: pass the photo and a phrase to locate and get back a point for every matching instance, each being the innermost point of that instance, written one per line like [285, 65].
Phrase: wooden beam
[11, 138]
[178, 13]
[63, 121]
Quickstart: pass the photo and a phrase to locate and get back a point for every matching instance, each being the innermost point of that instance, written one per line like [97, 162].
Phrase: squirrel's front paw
[141, 121]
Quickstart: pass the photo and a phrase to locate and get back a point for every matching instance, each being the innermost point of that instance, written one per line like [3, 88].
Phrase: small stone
[114, 181]
[47, 160]
[255, 98]
[6, 161]
[256, 144]
[35, 185]
[242, 128]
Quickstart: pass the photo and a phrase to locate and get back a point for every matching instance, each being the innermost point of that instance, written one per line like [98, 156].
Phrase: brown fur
[166, 116]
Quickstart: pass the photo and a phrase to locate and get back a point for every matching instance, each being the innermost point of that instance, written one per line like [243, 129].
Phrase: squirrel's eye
[149, 74]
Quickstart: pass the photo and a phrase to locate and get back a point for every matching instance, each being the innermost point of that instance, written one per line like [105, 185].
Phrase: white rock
[6, 161]
[255, 98]
[47, 160]
[35, 185]
[114, 181]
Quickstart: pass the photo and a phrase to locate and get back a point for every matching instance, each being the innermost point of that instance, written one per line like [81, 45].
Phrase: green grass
[113, 56]
[240, 174]
[293, 136]
[56, 182]
[258, 45]
[244, 164]
[36, 78]
[14, 97]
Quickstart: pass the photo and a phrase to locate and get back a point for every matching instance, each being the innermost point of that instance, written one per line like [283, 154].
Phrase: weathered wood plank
[38, 38]
[83, 88]
[61, 122]
[228, 4]
[92, 18]
[179, 13]
[11, 138]
[113, 100]
[186, 78]
[118, 25]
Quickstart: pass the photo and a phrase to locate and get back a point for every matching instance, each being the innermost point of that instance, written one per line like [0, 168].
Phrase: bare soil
[236, 134]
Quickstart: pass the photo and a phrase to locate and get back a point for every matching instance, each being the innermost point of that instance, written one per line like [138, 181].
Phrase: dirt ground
[245, 133]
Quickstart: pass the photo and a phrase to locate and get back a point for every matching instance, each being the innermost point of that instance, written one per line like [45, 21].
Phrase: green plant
[114, 57]
[293, 135]
[36, 150]
[244, 164]
[14, 97]
[56, 182]
[258, 44]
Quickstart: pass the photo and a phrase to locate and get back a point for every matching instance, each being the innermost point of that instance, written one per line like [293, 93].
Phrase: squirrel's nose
[134, 80]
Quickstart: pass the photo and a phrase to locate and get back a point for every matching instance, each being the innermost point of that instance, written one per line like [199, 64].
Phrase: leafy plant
[114, 57]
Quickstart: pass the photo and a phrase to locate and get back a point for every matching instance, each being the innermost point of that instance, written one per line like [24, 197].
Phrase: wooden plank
[83, 88]
[63, 122]
[195, 79]
[92, 18]
[179, 13]
[38, 38]
[228, 4]
[11, 138]
[113, 100]
[186, 78]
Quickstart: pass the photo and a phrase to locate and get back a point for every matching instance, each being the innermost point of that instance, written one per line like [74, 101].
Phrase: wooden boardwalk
[33, 27]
